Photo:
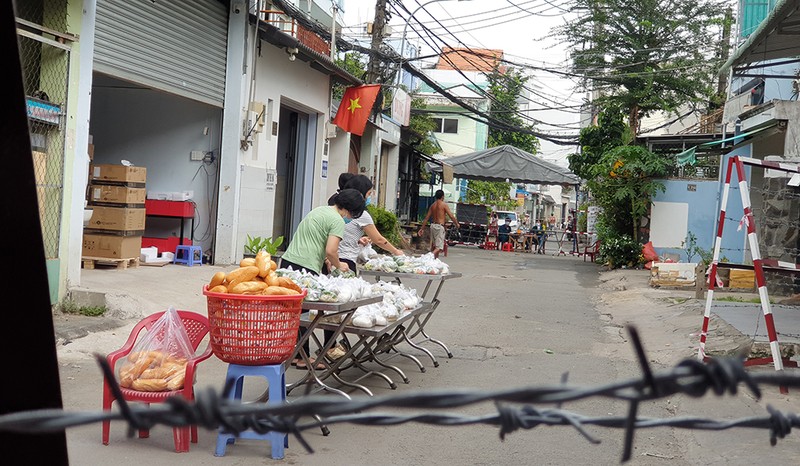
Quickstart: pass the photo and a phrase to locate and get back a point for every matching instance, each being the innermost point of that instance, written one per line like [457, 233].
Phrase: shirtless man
[437, 215]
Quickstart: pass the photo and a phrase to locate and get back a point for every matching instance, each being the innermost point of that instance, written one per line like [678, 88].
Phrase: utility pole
[335, 10]
[373, 70]
[724, 48]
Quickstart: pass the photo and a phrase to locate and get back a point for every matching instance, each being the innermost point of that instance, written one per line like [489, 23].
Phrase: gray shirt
[353, 231]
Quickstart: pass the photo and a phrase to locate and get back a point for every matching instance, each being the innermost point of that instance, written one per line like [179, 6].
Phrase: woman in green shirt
[319, 233]
[317, 239]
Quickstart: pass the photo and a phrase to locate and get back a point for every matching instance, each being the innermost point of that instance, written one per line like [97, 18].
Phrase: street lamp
[405, 29]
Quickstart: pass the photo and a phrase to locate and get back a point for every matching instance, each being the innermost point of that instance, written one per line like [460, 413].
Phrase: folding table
[342, 311]
[416, 327]
[375, 344]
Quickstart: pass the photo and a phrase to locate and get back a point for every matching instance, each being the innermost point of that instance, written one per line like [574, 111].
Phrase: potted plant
[257, 243]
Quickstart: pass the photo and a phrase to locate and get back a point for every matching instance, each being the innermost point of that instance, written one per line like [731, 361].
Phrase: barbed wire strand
[211, 411]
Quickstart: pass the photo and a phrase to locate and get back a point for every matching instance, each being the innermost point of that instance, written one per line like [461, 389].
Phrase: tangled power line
[212, 411]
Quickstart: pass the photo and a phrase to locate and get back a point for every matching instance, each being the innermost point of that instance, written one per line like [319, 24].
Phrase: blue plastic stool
[189, 255]
[276, 377]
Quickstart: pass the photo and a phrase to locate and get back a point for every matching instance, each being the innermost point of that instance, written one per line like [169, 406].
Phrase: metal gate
[45, 55]
[178, 46]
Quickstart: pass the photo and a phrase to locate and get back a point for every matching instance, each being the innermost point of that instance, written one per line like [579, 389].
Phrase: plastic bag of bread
[157, 361]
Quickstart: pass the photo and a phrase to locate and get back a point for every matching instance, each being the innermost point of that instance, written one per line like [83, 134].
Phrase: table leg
[312, 376]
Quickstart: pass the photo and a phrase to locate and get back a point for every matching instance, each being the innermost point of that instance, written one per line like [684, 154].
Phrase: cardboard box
[170, 196]
[118, 173]
[116, 194]
[40, 173]
[90, 151]
[118, 219]
[676, 274]
[742, 279]
[111, 246]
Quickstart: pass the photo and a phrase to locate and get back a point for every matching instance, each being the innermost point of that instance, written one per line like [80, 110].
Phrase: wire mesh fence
[45, 57]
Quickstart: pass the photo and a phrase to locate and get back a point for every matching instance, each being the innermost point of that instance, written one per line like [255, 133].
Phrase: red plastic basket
[253, 330]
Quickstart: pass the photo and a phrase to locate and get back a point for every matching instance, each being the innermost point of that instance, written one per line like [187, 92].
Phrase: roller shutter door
[177, 46]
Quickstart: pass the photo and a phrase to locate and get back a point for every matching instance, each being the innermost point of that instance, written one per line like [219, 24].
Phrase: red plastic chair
[197, 328]
[591, 250]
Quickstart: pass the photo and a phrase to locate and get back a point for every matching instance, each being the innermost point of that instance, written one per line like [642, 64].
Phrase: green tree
[623, 183]
[505, 89]
[354, 63]
[609, 132]
[646, 55]
[492, 193]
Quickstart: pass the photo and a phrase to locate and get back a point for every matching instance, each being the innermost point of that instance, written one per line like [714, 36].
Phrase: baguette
[149, 385]
[262, 261]
[287, 282]
[240, 275]
[278, 290]
[217, 279]
[247, 261]
[252, 287]
[219, 289]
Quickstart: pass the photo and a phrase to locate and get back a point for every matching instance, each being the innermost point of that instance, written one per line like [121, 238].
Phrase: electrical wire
[487, 63]
[300, 17]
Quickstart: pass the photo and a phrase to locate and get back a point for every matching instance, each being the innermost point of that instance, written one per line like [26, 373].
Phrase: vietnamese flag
[355, 108]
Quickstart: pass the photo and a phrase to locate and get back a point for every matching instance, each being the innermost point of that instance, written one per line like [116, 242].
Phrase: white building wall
[279, 81]
[338, 160]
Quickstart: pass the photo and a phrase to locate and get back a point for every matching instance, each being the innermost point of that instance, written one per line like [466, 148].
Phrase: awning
[548, 199]
[509, 164]
[776, 37]
[688, 156]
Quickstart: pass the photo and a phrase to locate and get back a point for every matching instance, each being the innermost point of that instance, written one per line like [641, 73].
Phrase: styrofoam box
[149, 254]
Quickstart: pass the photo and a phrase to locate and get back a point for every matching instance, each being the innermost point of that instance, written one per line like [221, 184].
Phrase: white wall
[338, 159]
[296, 85]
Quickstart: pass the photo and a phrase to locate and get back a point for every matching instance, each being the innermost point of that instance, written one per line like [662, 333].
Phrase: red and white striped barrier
[758, 263]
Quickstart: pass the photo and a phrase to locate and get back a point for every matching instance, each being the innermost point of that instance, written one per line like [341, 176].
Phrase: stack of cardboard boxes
[116, 195]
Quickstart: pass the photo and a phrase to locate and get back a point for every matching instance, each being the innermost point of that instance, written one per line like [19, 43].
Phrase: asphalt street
[513, 320]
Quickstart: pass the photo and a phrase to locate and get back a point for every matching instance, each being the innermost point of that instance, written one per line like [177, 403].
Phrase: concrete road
[514, 320]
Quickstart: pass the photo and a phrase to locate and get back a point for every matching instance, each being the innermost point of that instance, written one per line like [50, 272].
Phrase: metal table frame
[315, 376]
[374, 342]
[417, 325]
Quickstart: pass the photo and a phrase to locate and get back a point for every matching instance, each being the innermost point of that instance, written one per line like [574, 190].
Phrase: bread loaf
[219, 289]
[149, 385]
[217, 279]
[262, 261]
[240, 275]
[247, 261]
[251, 287]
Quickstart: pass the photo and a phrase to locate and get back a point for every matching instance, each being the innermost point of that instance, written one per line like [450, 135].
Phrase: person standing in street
[437, 214]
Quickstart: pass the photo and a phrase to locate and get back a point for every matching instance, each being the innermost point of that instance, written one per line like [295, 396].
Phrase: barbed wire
[212, 411]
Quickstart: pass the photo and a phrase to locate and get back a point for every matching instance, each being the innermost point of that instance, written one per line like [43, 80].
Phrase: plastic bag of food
[158, 360]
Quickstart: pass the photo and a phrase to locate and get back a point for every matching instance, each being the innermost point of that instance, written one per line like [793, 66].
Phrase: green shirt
[307, 247]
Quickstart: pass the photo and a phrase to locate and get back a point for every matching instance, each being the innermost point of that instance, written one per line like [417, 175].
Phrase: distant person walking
[551, 222]
[437, 214]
